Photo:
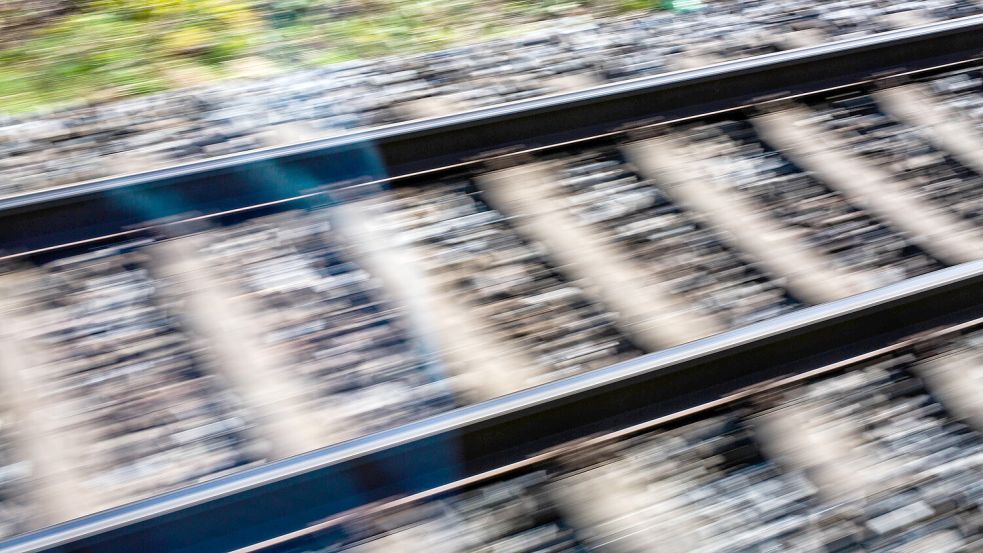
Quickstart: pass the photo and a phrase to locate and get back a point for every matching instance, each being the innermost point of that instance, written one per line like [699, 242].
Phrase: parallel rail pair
[287, 496]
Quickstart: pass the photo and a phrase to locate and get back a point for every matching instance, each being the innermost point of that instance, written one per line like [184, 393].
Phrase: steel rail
[106, 206]
[285, 496]
[582, 446]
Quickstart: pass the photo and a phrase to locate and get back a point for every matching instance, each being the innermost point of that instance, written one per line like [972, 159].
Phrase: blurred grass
[57, 52]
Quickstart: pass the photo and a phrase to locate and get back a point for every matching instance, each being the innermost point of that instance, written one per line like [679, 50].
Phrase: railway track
[587, 488]
[641, 252]
[529, 430]
[33, 221]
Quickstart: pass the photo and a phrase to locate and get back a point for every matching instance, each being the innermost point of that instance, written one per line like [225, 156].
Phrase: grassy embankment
[58, 52]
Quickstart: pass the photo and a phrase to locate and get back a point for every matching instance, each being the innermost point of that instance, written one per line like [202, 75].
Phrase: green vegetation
[101, 49]
[111, 48]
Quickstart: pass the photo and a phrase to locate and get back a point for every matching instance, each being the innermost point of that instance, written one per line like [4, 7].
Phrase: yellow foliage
[187, 39]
